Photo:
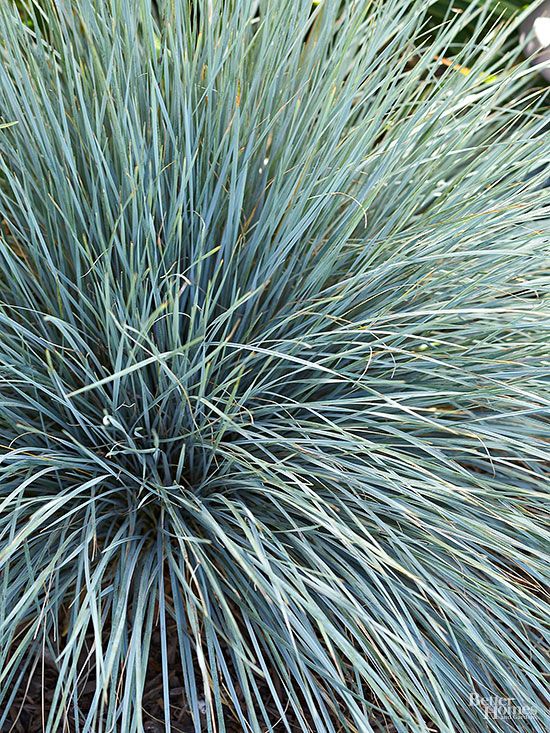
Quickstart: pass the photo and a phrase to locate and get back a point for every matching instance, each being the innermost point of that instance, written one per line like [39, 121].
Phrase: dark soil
[33, 700]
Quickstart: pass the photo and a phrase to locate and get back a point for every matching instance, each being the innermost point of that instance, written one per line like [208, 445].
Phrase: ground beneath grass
[33, 701]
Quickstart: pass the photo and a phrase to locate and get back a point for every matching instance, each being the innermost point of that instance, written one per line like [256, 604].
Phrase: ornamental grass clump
[273, 392]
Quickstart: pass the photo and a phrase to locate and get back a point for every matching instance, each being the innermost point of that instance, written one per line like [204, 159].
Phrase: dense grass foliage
[437, 10]
[272, 364]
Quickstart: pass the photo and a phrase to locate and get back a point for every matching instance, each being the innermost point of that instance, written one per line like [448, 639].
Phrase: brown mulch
[33, 700]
